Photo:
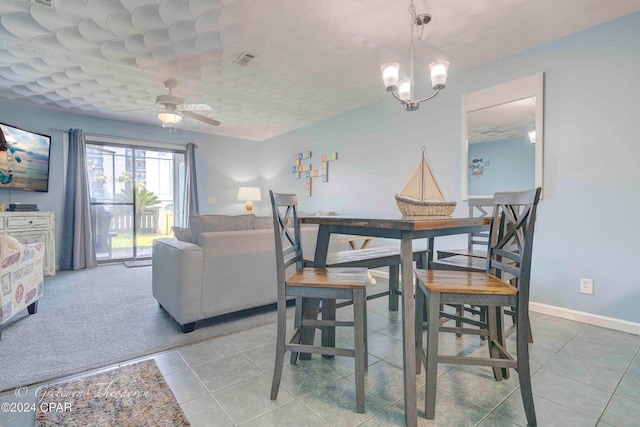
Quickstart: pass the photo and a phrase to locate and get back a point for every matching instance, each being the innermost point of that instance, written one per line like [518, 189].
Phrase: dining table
[406, 229]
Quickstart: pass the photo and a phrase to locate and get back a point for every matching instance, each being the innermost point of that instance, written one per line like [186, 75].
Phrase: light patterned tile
[382, 346]
[205, 412]
[185, 386]
[386, 381]
[170, 362]
[622, 412]
[387, 418]
[295, 410]
[580, 397]
[255, 337]
[451, 410]
[224, 372]
[634, 369]
[584, 372]
[249, 399]
[630, 387]
[496, 421]
[548, 413]
[207, 351]
[620, 341]
[264, 356]
[336, 404]
[307, 375]
[595, 353]
[477, 385]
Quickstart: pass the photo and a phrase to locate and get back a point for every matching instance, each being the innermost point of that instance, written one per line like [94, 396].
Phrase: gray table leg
[408, 331]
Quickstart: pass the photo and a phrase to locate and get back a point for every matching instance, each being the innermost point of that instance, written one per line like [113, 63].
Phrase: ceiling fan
[174, 108]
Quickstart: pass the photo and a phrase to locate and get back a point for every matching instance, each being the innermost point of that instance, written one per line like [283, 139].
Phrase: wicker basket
[417, 208]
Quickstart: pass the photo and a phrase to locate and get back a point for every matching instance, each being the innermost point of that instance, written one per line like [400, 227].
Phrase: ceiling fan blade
[201, 118]
[195, 107]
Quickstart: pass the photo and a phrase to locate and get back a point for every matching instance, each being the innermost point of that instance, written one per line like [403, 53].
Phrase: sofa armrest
[177, 278]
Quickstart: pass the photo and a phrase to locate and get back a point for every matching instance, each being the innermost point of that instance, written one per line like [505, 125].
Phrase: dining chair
[505, 283]
[474, 256]
[314, 284]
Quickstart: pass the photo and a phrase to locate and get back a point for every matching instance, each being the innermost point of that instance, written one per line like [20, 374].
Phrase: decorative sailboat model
[421, 196]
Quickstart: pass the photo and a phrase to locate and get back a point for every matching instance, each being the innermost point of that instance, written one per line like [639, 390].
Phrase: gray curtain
[190, 200]
[77, 238]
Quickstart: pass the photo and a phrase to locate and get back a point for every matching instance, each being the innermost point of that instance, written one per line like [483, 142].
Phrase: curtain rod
[126, 138]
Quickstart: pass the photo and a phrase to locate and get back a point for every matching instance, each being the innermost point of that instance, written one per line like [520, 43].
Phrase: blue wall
[586, 221]
[511, 166]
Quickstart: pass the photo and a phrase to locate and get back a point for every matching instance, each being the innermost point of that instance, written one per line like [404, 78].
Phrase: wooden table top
[414, 223]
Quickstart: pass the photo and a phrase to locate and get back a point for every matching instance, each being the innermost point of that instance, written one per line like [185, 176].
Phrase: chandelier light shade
[532, 136]
[169, 117]
[249, 194]
[403, 90]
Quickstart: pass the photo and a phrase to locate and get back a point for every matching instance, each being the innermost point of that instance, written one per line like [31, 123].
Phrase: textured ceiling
[315, 58]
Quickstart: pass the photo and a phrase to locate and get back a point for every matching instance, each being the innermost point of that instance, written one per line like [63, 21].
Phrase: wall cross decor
[299, 169]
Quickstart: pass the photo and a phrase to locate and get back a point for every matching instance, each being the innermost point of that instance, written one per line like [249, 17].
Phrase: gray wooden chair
[474, 256]
[509, 261]
[313, 284]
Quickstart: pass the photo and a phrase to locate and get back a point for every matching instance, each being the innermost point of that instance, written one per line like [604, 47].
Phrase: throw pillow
[199, 224]
[182, 233]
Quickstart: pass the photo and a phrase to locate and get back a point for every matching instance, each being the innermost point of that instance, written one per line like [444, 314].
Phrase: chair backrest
[287, 232]
[479, 208]
[511, 238]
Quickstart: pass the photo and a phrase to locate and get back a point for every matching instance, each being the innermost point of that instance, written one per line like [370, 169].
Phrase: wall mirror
[502, 137]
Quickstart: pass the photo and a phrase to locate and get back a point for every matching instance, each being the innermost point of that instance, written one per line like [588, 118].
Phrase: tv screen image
[24, 159]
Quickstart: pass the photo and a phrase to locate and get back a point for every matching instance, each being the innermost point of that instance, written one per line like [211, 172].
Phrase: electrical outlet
[586, 286]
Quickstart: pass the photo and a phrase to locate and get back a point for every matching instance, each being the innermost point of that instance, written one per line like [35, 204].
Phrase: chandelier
[403, 90]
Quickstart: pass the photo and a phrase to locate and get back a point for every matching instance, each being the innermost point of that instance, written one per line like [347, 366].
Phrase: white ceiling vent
[47, 3]
[244, 58]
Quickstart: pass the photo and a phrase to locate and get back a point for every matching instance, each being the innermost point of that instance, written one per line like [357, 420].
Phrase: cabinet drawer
[26, 222]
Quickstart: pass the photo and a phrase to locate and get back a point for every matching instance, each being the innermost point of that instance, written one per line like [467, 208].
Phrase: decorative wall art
[476, 168]
[299, 169]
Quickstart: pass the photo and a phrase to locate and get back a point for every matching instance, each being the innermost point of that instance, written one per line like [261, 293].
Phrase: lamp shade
[249, 193]
[390, 75]
[169, 117]
[404, 90]
[532, 136]
[439, 70]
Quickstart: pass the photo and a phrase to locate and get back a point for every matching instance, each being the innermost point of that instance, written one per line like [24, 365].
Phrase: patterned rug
[133, 395]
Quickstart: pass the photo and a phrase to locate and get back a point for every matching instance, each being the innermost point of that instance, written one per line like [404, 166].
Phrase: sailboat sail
[422, 194]
[423, 185]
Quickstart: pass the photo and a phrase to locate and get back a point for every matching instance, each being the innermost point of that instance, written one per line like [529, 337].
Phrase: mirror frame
[500, 94]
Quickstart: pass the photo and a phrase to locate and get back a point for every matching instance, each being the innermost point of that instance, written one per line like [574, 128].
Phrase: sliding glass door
[135, 198]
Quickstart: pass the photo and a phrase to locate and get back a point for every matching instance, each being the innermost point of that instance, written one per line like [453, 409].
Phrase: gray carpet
[93, 318]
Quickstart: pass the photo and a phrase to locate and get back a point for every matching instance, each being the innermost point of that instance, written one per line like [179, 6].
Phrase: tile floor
[582, 376]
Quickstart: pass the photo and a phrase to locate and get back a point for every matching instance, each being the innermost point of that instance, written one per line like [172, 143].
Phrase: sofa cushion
[263, 223]
[182, 233]
[199, 224]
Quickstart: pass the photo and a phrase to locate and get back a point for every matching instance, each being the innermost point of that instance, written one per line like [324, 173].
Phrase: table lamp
[249, 194]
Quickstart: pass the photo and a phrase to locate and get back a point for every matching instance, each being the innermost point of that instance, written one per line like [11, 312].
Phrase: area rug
[95, 318]
[132, 395]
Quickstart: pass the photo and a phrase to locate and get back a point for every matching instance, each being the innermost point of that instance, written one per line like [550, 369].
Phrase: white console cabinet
[32, 227]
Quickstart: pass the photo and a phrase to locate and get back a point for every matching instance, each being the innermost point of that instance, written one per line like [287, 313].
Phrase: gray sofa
[222, 264]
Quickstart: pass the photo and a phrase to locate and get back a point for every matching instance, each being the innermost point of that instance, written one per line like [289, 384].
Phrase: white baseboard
[566, 313]
[591, 319]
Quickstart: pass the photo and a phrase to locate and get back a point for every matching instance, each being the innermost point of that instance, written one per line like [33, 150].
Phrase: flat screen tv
[24, 159]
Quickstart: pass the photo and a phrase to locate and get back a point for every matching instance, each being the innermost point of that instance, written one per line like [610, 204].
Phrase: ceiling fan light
[169, 117]
[439, 71]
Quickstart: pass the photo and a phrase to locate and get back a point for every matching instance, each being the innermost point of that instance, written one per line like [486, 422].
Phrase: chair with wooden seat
[509, 262]
[474, 256]
[309, 285]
